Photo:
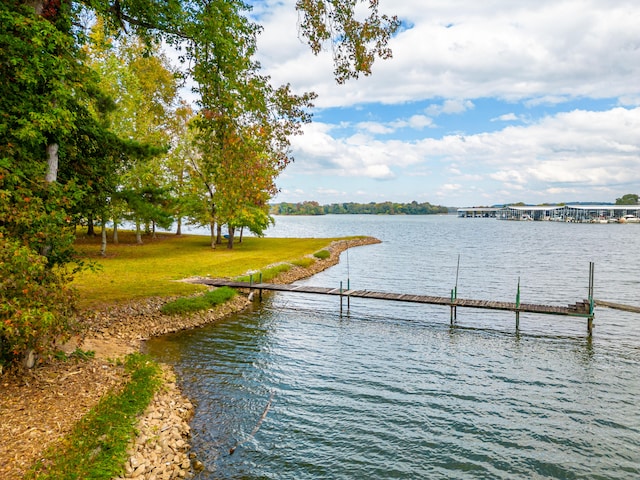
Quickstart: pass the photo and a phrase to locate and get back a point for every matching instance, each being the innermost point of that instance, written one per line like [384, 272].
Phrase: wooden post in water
[518, 306]
[251, 287]
[340, 297]
[260, 290]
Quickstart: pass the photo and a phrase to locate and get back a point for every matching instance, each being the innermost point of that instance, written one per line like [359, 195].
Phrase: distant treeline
[384, 208]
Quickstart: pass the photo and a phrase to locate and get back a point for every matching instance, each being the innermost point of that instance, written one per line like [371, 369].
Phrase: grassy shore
[130, 275]
[155, 268]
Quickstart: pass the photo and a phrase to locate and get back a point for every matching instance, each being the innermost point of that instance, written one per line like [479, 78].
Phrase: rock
[161, 442]
[197, 465]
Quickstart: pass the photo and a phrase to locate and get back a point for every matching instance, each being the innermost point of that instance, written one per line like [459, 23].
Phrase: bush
[304, 262]
[267, 274]
[322, 254]
[36, 302]
[200, 302]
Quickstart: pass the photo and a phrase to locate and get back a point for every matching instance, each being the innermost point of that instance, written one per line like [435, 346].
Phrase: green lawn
[131, 271]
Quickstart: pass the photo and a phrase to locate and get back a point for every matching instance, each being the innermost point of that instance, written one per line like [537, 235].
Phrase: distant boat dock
[557, 213]
[582, 309]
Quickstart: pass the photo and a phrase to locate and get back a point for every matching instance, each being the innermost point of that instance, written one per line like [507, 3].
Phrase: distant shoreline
[352, 208]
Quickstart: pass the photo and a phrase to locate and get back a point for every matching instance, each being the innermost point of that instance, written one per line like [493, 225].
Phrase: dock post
[591, 301]
[454, 295]
[340, 297]
[348, 296]
[260, 290]
[455, 307]
[518, 306]
[454, 312]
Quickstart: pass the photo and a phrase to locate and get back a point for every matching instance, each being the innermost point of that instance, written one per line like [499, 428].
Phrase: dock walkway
[580, 309]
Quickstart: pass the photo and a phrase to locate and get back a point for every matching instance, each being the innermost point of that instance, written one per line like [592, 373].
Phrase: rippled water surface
[389, 390]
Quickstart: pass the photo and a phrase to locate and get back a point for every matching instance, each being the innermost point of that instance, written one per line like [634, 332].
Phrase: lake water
[393, 391]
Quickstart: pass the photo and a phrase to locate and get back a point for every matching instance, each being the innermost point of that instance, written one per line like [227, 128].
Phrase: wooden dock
[583, 309]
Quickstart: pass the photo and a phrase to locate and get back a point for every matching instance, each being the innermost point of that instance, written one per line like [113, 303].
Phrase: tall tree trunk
[115, 233]
[219, 235]
[179, 227]
[103, 243]
[241, 232]
[153, 230]
[212, 226]
[50, 177]
[138, 232]
[52, 161]
[231, 233]
[90, 231]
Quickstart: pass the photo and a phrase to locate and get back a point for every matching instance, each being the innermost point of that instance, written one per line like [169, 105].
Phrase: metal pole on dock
[348, 283]
[518, 306]
[453, 307]
[454, 295]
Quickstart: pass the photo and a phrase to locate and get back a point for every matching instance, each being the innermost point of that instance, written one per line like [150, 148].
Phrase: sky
[483, 103]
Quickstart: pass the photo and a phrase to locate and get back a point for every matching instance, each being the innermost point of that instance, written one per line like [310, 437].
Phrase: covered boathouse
[558, 213]
[478, 212]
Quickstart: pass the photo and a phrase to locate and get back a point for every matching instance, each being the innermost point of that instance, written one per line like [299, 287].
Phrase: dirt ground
[40, 406]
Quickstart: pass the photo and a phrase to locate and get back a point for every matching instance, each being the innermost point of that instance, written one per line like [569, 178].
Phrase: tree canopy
[91, 128]
[628, 199]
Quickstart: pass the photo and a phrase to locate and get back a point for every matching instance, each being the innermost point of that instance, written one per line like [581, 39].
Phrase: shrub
[267, 274]
[36, 302]
[304, 262]
[200, 302]
[322, 254]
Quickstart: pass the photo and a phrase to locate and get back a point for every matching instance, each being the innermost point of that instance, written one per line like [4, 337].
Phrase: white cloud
[577, 150]
[507, 117]
[375, 128]
[462, 49]
[456, 54]
[418, 122]
[450, 107]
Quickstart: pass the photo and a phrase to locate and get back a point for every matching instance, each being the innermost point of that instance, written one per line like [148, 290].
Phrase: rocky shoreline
[161, 451]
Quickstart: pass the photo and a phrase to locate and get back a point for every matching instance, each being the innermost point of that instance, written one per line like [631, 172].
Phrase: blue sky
[483, 103]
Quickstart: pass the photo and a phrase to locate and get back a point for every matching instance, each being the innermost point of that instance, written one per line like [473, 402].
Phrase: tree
[354, 43]
[178, 169]
[57, 144]
[142, 84]
[628, 199]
